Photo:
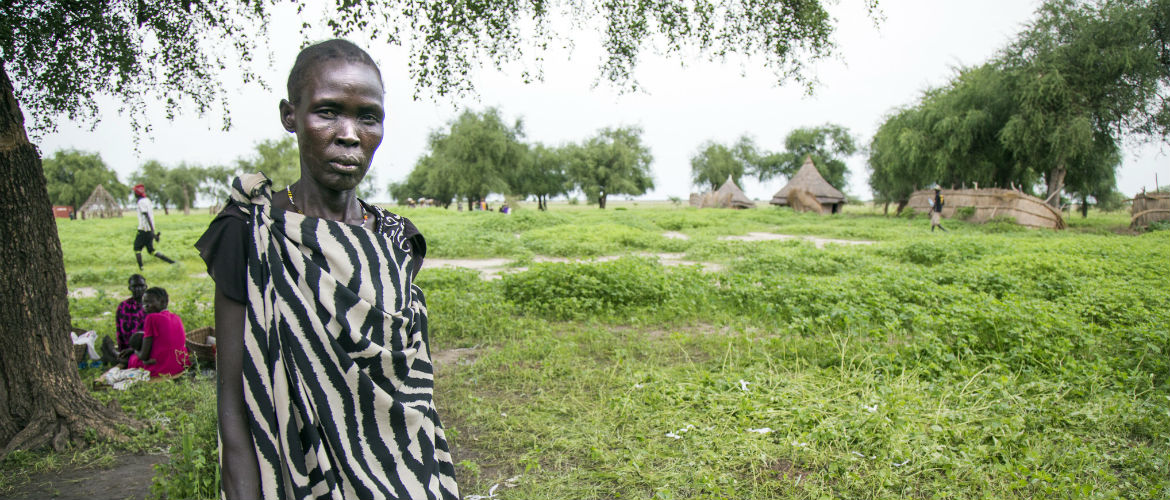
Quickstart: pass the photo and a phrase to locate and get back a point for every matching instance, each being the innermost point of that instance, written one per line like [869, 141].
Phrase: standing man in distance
[147, 234]
[936, 206]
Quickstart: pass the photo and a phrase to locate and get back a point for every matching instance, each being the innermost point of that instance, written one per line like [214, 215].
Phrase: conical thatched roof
[100, 204]
[809, 179]
[727, 196]
[734, 195]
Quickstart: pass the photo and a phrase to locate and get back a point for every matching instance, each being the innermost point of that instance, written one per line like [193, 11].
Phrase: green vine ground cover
[985, 362]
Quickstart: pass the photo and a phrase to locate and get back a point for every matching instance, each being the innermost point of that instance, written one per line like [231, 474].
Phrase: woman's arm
[144, 355]
[240, 471]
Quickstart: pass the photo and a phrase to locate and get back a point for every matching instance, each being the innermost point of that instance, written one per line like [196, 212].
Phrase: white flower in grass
[743, 385]
[638, 386]
[673, 435]
[800, 444]
[491, 494]
[761, 430]
[871, 409]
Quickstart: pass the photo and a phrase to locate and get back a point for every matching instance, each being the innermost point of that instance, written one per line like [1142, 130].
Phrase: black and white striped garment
[337, 370]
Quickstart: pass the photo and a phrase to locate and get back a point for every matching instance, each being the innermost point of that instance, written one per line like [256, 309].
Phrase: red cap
[140, 191]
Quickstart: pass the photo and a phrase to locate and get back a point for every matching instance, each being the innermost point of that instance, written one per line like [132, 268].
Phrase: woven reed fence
[1027, 210]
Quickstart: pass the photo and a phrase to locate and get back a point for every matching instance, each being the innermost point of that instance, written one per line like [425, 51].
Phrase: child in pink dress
[164, 343]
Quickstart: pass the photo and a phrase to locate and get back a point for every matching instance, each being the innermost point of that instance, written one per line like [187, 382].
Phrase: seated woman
[325, 377]
[164, 341]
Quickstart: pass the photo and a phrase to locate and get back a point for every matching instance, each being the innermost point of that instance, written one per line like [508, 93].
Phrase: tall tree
[62, 55]
[478, 153]
[542, 174]
[72, 175]
[828, 145]
[613, 162]
[714, 163]
[1087, 73]
[279, 159]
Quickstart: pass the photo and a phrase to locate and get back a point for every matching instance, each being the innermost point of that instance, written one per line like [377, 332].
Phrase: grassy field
[986, 362]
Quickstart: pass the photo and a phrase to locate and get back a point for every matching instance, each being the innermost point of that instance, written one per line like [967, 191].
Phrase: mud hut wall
[991, 203]
[1149, 208]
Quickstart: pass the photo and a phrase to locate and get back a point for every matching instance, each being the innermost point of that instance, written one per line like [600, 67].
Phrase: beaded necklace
[365, 214]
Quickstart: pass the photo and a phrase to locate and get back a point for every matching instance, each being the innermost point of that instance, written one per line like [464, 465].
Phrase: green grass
[986, 362]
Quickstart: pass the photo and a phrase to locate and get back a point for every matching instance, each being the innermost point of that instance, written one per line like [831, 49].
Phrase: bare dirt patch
[675, 235]
[448, 358]
[490, 269]
[129, 478]
[819, 242]
[786, 469]
[84, 292]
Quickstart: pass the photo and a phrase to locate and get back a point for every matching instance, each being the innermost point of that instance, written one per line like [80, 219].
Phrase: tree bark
[901, 206]
[186, 201]
[42, 399]
[1056, 184]
[601, 201]
[1084, 206]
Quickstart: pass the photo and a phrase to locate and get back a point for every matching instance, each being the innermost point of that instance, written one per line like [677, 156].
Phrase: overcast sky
[876, 69]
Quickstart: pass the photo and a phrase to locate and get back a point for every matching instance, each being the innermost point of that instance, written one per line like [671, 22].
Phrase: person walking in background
[936, 206]
[147, 234]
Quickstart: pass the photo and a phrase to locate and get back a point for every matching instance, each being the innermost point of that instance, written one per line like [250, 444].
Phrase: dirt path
[491, 269]
[128, 479]
[819, 242]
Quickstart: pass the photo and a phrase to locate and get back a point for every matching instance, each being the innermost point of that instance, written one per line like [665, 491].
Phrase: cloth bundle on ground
[337, 370]
[121, 379]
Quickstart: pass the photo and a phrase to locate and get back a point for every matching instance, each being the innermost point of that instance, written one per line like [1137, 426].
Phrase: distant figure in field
[147, 232]
[936, 206]
[163, 350]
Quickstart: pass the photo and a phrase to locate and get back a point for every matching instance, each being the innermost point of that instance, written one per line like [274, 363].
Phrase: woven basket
[197, 345]
[79, 350]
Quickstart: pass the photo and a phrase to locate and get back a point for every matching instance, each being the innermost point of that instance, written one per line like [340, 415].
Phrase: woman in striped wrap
[325, 380]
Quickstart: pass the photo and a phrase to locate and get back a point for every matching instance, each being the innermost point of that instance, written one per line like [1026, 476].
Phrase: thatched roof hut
[729, 195]
[809, 179]
[1149, 208]
[1027, 210]
[100, 204]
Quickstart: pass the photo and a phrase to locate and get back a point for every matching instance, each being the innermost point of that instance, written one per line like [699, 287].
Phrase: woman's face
[338, 122]
[152, 303]
[137, 288]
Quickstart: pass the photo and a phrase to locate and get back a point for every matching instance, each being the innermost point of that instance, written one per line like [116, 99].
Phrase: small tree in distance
[613, 162]
[828, 145]
[72, 175]
[714, 162]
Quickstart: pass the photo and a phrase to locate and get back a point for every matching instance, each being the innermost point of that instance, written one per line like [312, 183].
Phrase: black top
[224, 246]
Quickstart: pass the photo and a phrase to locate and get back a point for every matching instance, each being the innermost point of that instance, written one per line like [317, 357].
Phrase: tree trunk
[601, 201]
[42, 399]
[1084, 206]
[186, 201]
[901, 206]
[1055, 185]
[886, 208]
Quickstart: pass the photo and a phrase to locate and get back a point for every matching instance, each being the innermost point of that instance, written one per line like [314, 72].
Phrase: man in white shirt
[147, 234]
